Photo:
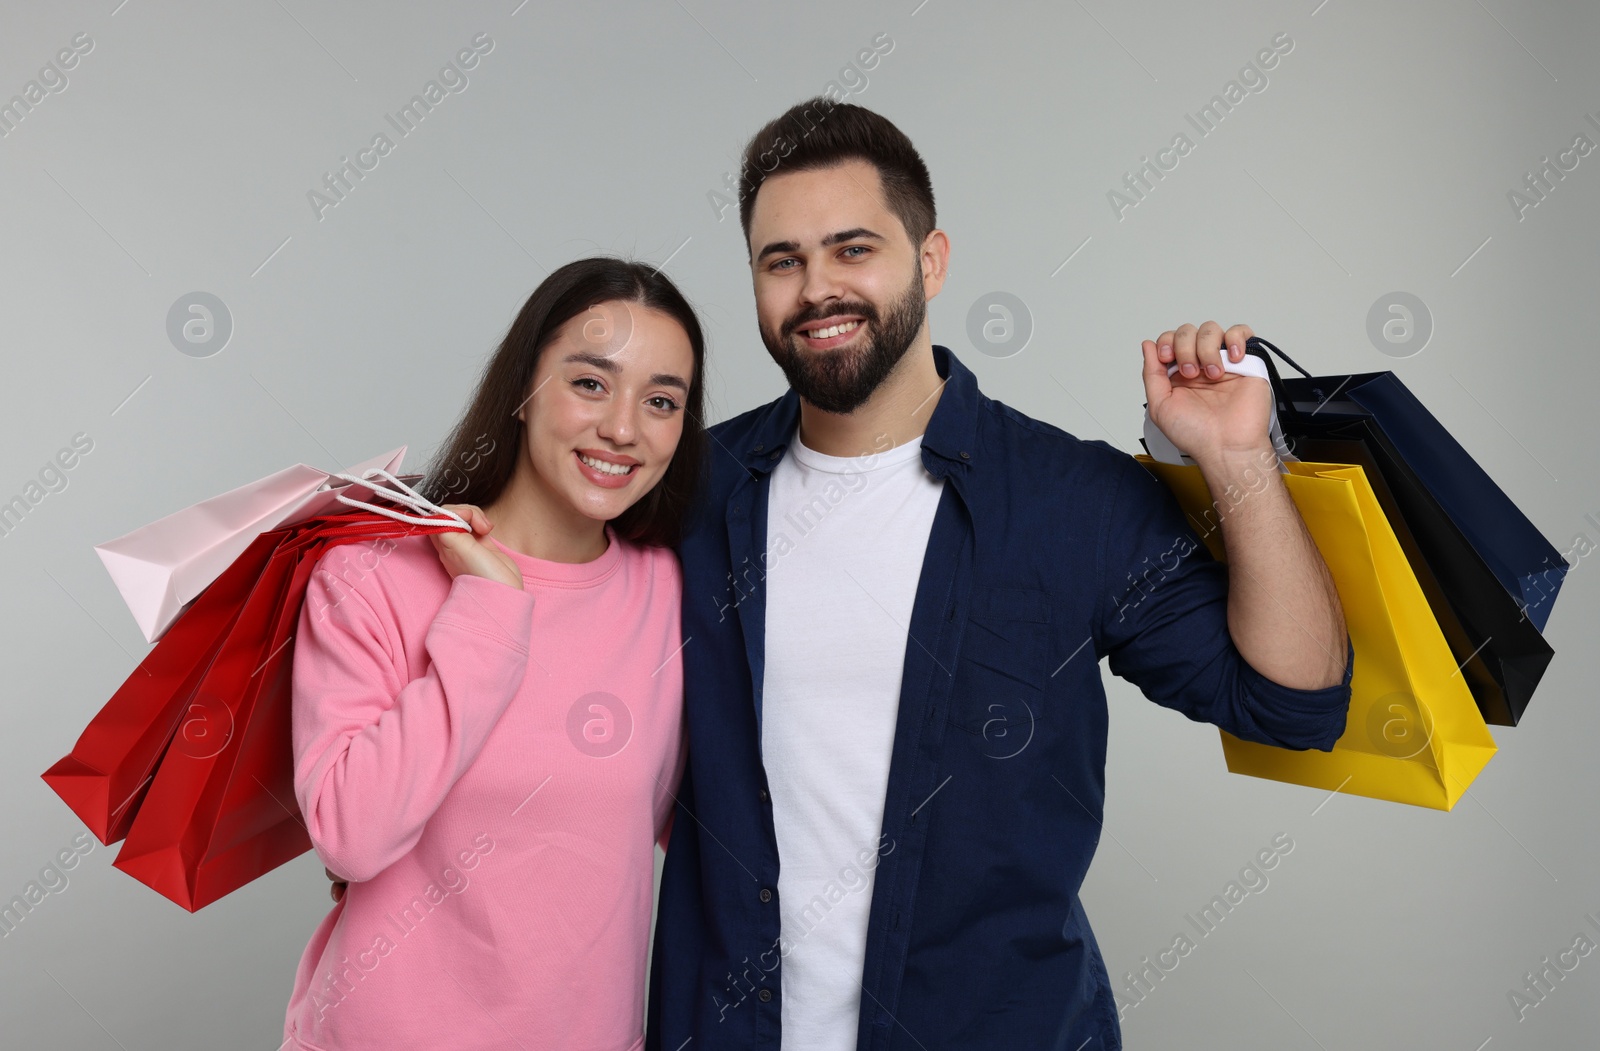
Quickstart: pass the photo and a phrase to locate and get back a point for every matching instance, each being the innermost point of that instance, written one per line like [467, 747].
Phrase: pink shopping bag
[162, 567]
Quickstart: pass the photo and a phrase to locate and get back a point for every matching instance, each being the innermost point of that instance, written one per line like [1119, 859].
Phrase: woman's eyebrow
[598, 361]
[660, 379]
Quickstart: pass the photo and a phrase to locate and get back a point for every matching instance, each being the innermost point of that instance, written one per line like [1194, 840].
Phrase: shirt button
[761, 448]
[966, 455]
[762, 795]
[773, 456]
[765, 996]
[765, 895]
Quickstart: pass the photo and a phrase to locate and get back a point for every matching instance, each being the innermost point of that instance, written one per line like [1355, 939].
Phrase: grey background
[1378, 159]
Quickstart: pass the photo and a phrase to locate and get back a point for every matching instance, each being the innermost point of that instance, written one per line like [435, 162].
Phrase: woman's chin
[603, 507]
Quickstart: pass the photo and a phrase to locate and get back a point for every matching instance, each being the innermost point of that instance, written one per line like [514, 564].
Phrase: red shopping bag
[108, 771]
[191, 760]
[223, 812]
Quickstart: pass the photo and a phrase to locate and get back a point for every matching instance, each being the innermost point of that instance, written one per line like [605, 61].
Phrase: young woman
[487, 726]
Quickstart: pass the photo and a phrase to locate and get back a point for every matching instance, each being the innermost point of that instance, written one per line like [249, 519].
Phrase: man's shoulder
[735, 431]
[735, 439]
[1030, 443]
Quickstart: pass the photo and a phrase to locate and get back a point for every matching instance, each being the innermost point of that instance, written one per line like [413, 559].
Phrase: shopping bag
[109, 768]
[221, 808]
[1490, 576]
[215, 807]
[1414, 733]
[161, 567]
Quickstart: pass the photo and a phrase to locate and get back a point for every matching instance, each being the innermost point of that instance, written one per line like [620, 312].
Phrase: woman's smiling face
[606, 408]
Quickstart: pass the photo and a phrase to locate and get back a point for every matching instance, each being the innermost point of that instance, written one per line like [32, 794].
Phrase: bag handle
[1160, 447]
[1257, 347]
[408, 498]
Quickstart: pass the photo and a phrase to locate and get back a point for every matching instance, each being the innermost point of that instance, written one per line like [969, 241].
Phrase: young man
[895, 597]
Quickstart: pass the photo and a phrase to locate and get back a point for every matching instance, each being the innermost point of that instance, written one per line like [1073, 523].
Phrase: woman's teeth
[833, 330]
[606, 468]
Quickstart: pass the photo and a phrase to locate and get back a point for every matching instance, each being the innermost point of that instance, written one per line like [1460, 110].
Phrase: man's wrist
[1233, 465]
[1234, 475]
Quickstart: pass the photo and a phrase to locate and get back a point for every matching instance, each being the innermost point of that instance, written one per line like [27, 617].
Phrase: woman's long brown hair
[477, 460]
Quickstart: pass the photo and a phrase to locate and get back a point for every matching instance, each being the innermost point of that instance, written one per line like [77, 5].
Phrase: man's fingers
[1157, 385]
[1164, 346]
[1208, 349]
[1235, 338]
[1183, 351]
[1198, 351]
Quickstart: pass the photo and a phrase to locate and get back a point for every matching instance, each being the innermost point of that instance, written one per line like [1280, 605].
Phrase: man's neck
[899, 410]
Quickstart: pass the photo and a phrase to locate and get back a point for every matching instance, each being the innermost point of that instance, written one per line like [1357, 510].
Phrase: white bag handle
[1162, 449]
[409, 498]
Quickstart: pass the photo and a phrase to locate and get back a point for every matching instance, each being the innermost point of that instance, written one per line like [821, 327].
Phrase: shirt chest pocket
[1001, 673]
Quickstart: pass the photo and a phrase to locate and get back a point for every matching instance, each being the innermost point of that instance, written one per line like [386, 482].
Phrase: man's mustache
[864, 310]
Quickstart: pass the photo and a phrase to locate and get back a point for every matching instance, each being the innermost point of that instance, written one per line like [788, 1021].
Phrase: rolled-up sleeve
[1161, 619]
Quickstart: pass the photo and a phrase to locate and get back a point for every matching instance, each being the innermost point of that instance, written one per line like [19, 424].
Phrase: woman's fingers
[474, 516]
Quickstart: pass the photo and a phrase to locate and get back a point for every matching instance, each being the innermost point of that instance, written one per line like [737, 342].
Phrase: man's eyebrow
[775, 247]
[855, 233]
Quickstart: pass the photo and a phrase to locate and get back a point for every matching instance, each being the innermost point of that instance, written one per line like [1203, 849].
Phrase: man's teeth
[605, 468]
[831, 331]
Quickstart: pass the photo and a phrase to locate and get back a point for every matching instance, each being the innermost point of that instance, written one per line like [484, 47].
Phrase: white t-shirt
[845, 542]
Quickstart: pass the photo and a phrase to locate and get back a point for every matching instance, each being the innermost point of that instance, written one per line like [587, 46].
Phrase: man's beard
[841, 381]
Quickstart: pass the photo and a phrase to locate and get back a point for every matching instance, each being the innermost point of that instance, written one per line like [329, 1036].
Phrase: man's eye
[856, 248]
[779, 264]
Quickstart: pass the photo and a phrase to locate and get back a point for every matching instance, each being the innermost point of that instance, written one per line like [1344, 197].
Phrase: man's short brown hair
[821, 133]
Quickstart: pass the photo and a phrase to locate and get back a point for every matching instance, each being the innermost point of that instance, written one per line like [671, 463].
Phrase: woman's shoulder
[394, 552]
[383, 566]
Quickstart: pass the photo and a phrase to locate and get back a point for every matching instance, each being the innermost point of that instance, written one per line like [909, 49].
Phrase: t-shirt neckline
[871, 461]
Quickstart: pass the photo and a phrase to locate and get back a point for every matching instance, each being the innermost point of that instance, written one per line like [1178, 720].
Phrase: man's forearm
[1283, 611]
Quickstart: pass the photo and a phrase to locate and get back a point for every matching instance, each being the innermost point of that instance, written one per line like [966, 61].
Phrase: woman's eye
[664, 403]
[585, 384]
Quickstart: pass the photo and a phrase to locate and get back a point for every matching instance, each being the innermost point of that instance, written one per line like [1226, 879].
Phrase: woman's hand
[338, 885]
[474, 554]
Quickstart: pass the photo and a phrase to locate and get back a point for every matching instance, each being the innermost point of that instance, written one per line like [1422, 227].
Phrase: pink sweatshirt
[491, 769]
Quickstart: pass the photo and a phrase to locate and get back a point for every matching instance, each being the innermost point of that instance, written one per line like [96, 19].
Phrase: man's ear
[935, 258]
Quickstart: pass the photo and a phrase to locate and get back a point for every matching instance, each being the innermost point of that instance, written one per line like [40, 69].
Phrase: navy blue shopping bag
[1490, 576]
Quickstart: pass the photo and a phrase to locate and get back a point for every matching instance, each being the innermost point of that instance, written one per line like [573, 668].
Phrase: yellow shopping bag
[1414, 734]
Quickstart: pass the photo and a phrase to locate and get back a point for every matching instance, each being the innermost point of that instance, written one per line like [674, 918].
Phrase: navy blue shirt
[1047, 554]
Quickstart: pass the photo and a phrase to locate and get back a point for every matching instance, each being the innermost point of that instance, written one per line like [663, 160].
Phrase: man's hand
[1208, 413]
[1283, 612]
[337, 890]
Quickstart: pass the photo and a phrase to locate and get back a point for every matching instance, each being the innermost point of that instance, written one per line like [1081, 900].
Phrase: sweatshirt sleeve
[374, 755]
[1162, 619]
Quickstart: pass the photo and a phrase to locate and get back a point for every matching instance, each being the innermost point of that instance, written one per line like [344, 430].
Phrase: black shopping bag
[1489, 575]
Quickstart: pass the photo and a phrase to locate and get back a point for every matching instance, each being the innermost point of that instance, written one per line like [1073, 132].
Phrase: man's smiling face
[839, 286]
